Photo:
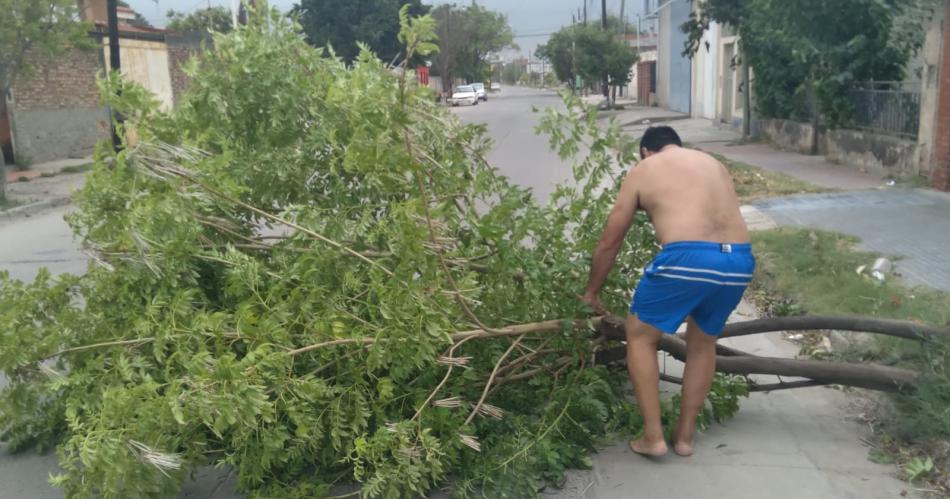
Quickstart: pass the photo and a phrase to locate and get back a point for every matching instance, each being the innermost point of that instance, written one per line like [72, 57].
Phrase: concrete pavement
[799, 443]
[814, 169]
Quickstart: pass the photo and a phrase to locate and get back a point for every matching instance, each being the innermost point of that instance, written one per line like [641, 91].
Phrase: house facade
[56, 113]
[900, 128]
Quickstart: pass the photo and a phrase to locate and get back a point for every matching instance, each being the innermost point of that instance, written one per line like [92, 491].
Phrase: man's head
[656, 138]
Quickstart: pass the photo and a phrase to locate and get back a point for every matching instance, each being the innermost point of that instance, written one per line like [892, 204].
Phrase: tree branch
[900, 329]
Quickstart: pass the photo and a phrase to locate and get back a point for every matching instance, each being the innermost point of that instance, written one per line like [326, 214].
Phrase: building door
[728, 82]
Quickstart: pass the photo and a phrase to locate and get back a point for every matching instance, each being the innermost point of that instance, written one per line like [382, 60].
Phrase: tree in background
[488, 32]
[341, 24]
[587, 51]
[808, 54]
[29, 28]
[467, 36]
[208, 19]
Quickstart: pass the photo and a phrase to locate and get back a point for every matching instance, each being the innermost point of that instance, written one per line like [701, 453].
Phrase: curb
[33, 208]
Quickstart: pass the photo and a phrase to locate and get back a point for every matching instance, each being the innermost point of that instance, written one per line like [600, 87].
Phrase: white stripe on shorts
[704, 271]
[700, 279]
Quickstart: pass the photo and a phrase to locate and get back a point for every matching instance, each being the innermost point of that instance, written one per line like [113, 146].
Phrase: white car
[495, 86]
[480, 91]
[464, 94]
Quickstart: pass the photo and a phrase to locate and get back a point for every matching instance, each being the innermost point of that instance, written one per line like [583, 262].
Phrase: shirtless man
[699, 275]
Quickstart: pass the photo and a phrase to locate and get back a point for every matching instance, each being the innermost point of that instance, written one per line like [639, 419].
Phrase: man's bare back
[688, 195]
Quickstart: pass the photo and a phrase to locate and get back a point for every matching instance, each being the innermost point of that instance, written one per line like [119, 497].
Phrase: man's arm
[618, 223]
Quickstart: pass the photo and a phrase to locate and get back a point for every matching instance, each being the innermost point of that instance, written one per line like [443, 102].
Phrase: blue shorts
[698, 279]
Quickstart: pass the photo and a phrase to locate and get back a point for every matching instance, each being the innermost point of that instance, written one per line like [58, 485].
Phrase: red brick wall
[65, 81]
[941, 172]
[178, 56]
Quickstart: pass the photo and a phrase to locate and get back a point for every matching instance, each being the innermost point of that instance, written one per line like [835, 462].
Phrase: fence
[888, 107]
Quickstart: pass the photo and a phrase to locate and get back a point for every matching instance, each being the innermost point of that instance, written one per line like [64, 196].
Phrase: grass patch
[817, 271]
[6, 204]
[754, 183]
[76, 168]
[23, 178]
[814, 272]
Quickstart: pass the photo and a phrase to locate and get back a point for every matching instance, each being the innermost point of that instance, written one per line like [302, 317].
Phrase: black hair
[658, 137]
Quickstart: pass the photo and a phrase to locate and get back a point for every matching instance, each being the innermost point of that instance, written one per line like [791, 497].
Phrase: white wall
[146, 63]
[705, 74]
[663, 49]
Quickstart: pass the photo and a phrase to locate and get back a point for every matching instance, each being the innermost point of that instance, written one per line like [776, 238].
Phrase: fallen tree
[308, 272]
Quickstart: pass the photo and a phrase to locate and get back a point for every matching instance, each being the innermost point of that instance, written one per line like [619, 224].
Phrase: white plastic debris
[880, 269]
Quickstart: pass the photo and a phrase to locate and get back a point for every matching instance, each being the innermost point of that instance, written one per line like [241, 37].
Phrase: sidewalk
[47, 185]
[783, 445]
[814, 169]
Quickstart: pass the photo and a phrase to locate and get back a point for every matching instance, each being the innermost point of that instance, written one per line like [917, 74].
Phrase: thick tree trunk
[870, 376]
[901, 329]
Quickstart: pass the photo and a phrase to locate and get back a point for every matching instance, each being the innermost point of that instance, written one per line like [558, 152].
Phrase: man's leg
[697, 378]
[645, 374]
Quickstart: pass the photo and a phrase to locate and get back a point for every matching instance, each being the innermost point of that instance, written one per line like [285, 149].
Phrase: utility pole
[115, 63]
[623, 24]
[604, 85]
[585, 12]
[623, 20]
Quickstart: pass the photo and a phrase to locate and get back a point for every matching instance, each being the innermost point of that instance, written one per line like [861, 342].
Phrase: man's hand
[593, 301]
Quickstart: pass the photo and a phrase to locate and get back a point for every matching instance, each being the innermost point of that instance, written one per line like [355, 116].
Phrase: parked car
[480, 90]
[464, 94]
[495, 86]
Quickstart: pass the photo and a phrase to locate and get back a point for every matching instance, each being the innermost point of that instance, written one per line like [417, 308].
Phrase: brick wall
[177, 56]
[65, 81]
[181, 48]
[56, 112]
[941, 171]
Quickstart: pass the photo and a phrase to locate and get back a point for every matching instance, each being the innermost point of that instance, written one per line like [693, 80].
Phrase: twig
[136, 342]
[344, 496]
[491, 379]
[563, 361]
[347, 341]
[442, 383]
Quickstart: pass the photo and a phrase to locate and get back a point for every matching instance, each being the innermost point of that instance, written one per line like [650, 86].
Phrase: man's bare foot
[641, 446]
[681, 446]
[683, 449]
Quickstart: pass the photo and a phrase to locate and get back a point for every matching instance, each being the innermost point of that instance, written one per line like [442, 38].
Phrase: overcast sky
[528, 18]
